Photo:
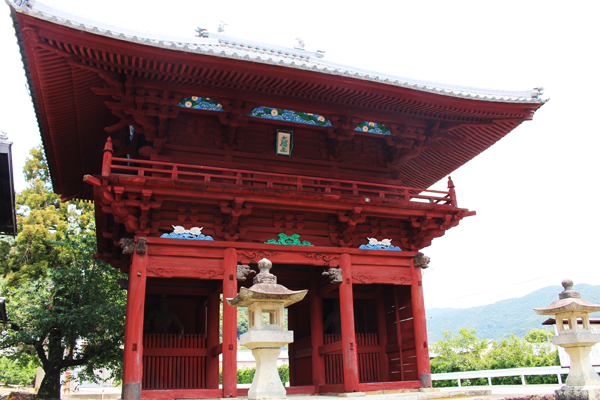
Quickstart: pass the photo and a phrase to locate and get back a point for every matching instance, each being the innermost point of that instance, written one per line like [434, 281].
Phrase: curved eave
[173, 66]
[228, 47]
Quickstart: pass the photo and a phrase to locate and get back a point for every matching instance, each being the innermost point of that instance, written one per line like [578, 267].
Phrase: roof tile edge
[275, 55]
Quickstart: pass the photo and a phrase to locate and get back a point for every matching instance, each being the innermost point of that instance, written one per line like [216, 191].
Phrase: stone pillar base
[266, 383]
[426, 380]
[578, 393]
[131, 391]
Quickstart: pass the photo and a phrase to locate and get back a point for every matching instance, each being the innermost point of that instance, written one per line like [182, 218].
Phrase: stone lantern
[577, 339]
[265, 298]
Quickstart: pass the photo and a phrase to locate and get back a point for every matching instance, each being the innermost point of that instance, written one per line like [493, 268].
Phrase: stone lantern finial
[264, 276]
[568, 293]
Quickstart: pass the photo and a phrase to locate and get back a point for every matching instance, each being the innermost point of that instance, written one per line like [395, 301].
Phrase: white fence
[495, 373]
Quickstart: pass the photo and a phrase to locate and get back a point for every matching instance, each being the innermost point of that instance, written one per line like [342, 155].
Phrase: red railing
[171, 361]
[368, 191]
[369, 359]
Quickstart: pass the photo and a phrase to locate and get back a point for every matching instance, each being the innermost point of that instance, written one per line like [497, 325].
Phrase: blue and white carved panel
[374, 244]
[373, 127]
[179, 232]
[290, 116]
[200, 103]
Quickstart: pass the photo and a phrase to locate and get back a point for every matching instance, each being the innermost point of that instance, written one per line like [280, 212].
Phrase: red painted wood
[350, 357]
[294, 372]
[316, 330]
[174, 352]
[134, 321]
[302, 361]
[383, 340]
[182, 394]
[331, 388]
[308, 389]
[420, 324]
[229, 324]
[107, 158]
[382, 275]
[372, 386]
[241, 178]
[398, 332]
[304, 353]
[216, 350]
[334, 347]
[167, 267]
[212, 330]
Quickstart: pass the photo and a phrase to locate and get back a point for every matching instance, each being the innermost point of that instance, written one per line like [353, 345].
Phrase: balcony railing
[266, 181]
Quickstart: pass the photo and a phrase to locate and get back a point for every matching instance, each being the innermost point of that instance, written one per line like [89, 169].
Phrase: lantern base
[578, 393]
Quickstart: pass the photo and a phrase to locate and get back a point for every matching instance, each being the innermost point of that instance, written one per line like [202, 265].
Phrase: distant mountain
[499, 320]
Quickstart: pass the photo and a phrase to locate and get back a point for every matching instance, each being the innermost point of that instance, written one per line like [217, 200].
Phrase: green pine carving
[293, 240]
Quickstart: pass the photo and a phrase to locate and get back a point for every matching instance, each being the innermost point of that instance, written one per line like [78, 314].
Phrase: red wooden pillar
[349, 348]
[383, 340]
[134, 327]
[316, 335]
[420, 322]
[107, 158]
[212, 342]
[229, 324]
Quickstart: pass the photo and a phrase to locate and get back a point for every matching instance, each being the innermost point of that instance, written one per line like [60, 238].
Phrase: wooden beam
[175, 352]
[216, 350]
[335, 347]
[323, 291]
[372, 386]
[182, 394]
[177, 290]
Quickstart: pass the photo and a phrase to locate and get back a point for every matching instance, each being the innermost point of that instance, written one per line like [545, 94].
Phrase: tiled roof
[241, 49]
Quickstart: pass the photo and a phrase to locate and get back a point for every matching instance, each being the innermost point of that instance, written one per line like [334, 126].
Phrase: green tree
[538, 336]
[464, 352]
[60, 299]
[18, 368]
[516, 353]
[461, 352]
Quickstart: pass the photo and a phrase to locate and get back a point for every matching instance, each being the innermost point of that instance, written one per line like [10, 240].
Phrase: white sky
[534, 191]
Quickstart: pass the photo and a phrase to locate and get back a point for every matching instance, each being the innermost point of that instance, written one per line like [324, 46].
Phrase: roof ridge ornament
[201, 32]
[300, 44]
[22, 5]
[221, 29]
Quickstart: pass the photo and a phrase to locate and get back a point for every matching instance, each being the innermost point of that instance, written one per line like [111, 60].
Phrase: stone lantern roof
[568, 300]
[266, 288]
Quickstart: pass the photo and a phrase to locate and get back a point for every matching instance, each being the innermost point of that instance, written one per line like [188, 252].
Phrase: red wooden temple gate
[387, 349]
[261, 152]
